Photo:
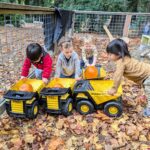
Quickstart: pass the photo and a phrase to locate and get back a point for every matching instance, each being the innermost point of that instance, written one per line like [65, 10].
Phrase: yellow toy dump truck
[91, 95]
[58, 96]
[23, 101]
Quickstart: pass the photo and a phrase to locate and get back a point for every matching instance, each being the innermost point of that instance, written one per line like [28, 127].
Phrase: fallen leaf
[142, 138]
[144, 147]
[102, 116]
[17, 142]
[28, 138]
[54, 143]
[115, 126]
[60, 124]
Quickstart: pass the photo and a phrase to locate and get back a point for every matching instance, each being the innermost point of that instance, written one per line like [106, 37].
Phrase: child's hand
[112, 91]
[90, 65]
[77, 79]
[45, 80]
[22, 77]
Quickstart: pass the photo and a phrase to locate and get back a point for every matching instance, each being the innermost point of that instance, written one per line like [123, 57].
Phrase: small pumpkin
[58, 85]
[25, 87]
[91, 72]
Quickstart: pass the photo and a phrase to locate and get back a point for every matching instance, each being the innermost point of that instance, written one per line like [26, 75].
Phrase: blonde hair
[87, 39]
[65, 41]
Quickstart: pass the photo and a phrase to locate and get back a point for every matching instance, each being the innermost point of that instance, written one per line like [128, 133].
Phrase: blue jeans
[63, 76]
[82, 63]
[38, 73]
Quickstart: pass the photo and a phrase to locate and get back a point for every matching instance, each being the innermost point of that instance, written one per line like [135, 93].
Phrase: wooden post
[126, 25]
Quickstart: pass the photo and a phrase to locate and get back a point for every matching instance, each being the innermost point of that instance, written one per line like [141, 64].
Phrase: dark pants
[82, 63]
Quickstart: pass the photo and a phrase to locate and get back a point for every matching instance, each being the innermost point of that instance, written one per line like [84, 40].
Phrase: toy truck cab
[21, 103]
[91, 95]
[58, 96]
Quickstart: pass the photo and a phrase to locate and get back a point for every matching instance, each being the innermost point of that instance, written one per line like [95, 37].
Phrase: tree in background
[107, 5]
[95, 5]
[138, 5]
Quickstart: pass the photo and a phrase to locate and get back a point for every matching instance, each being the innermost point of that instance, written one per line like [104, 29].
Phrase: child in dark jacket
[40, 59]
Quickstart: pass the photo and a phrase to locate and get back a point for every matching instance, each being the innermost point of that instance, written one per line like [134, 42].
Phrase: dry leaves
[54, 143]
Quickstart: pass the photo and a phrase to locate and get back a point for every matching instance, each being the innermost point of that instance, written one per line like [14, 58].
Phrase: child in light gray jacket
[68, 63]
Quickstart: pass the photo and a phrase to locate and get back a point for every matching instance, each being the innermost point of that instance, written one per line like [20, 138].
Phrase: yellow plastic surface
[35, 110]
[36, 84]
[81, 95]
[52, 102]
[102, 73]
[145, 39]
[17, 107]
[64, 97]
[30, 101]
[85, 108]
[65, 82]
[70, 107]
[113, 110]
[100, 92]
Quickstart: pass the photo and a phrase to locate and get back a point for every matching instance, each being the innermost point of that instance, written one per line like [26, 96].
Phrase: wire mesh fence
[119, 24]
[16, 32]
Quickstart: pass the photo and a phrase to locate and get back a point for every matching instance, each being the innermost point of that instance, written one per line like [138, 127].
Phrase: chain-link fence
[119, 24]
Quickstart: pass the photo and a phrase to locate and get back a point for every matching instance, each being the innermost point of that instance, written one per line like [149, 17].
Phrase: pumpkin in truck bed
[91, 72]
[26, 87]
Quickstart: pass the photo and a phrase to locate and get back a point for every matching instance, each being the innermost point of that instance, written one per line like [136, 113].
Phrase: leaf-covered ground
[92, 132]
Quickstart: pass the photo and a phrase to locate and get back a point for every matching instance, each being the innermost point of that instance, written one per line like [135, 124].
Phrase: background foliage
[96, 5]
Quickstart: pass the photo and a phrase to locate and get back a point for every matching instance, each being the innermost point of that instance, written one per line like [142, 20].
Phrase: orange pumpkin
[26, 87]
[58, 85]
[91, 72]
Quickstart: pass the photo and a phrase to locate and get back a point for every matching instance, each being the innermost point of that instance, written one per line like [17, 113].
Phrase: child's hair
[118, 47]
[87, 39]
[65, 41]
[33, 51]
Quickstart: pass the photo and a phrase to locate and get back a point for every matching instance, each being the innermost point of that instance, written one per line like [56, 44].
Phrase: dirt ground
[96, 131]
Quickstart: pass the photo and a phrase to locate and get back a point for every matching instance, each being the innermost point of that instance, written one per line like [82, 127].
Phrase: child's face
[113, 57]
[88, 46]
[67, 52]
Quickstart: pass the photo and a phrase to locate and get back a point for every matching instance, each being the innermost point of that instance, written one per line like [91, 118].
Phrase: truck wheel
[68, 107]
[85, 107]
[34, 110]
[113, 109]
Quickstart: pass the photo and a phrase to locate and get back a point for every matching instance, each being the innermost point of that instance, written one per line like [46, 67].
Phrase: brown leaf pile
[91, 132]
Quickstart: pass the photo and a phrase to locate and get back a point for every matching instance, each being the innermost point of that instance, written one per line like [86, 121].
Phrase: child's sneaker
[146, 112]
